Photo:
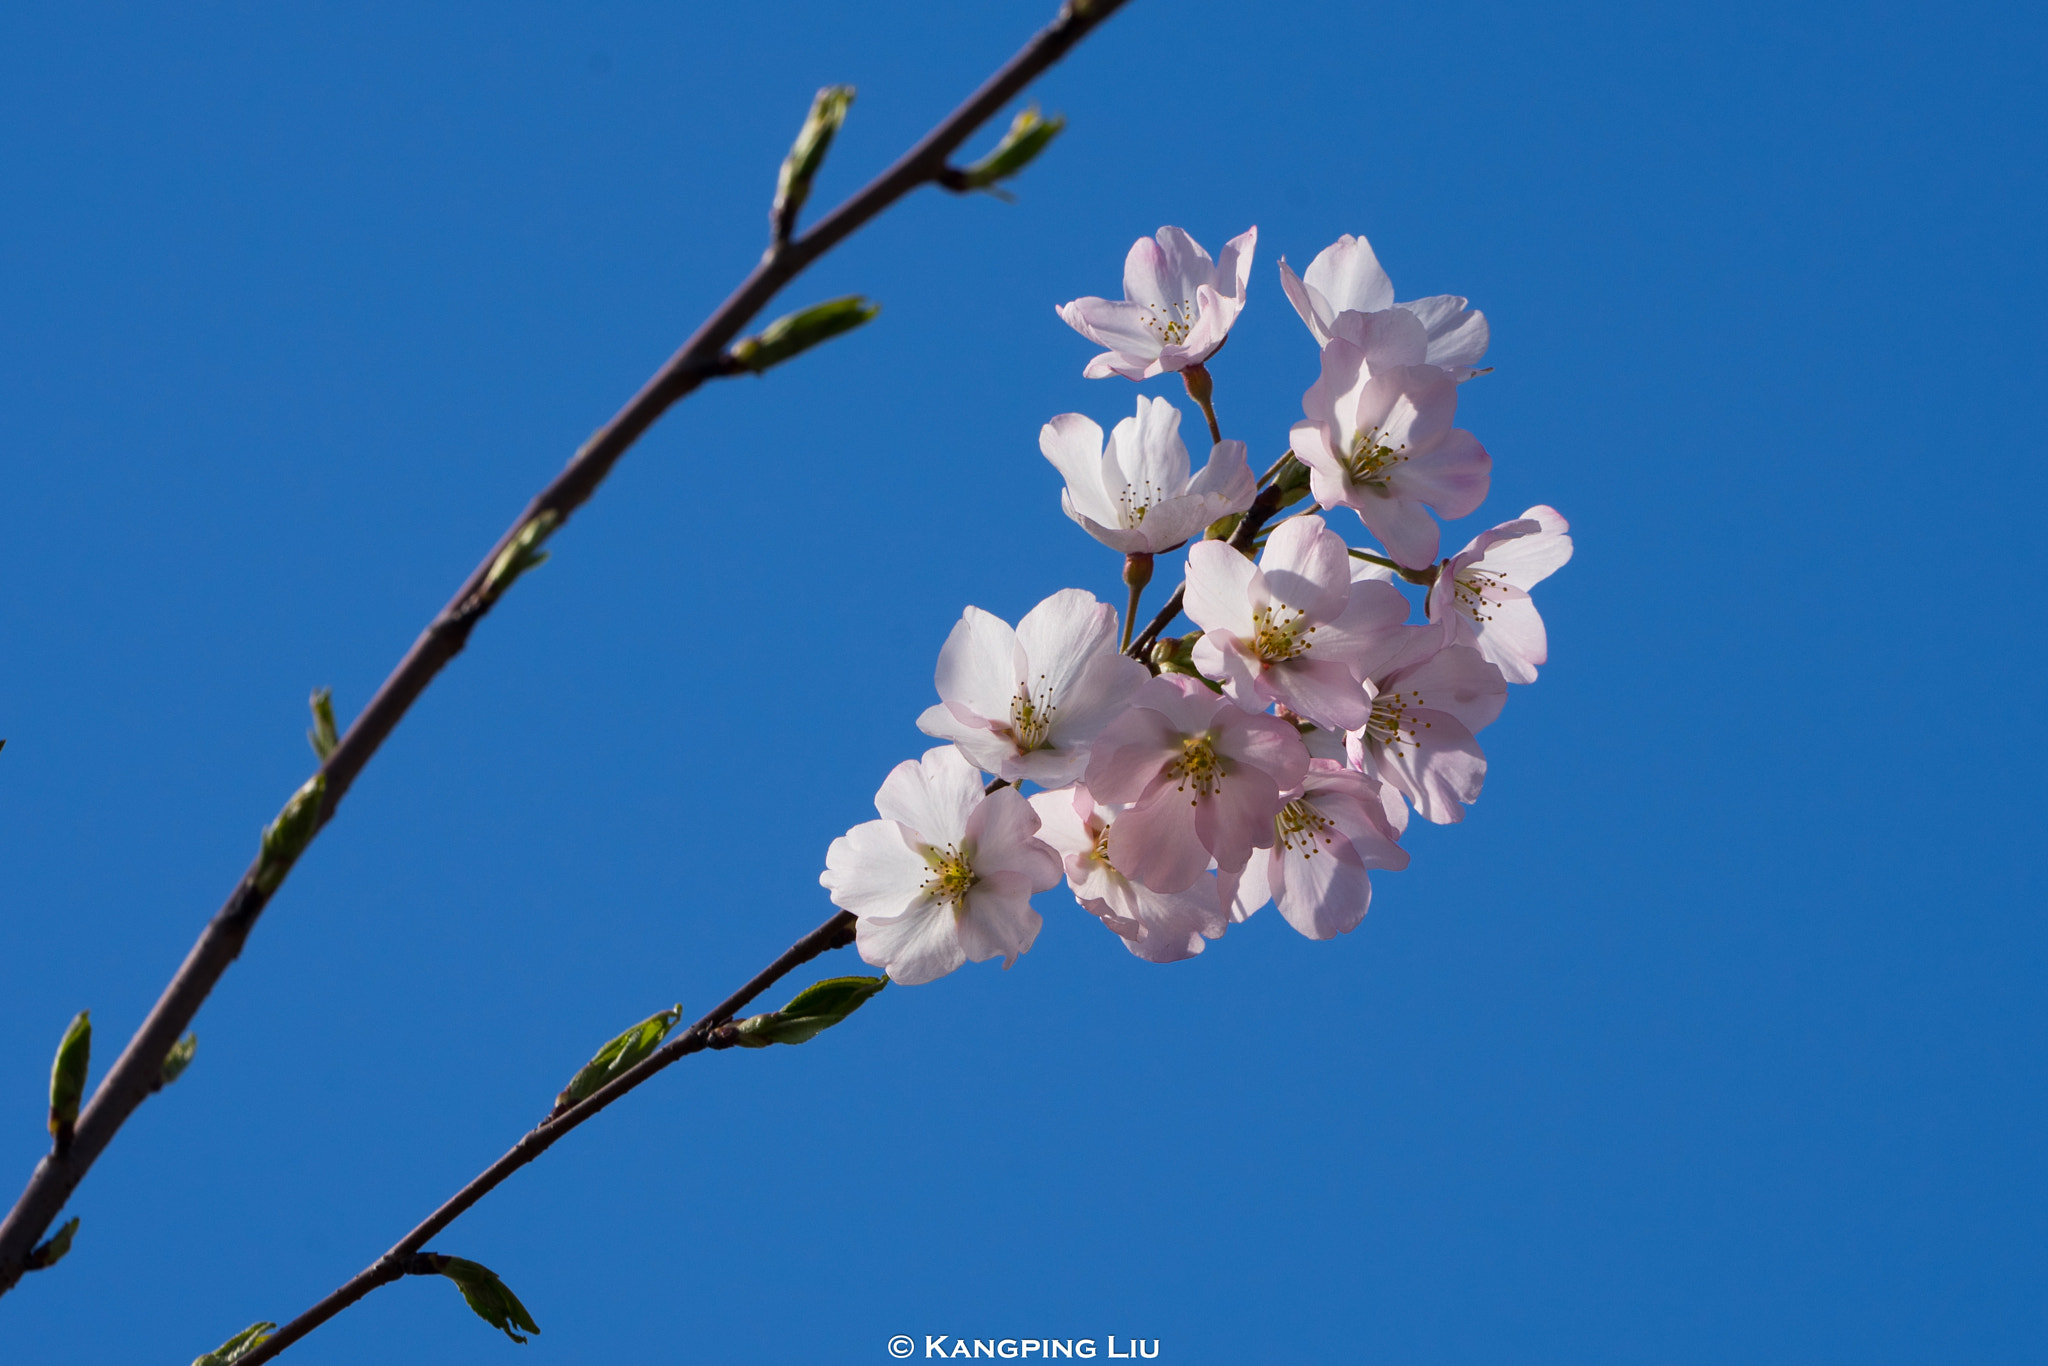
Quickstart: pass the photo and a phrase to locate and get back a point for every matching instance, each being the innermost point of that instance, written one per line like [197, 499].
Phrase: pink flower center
[952, 877]
[1300, 828]
[1198, 767]
[1277, 634]
[1471, 589]
[1393, 723]
[1371, 459]
[1030, 718]
[1171, 322]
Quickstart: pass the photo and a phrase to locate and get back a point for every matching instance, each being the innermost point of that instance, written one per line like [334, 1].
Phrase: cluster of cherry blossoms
[1274, 754]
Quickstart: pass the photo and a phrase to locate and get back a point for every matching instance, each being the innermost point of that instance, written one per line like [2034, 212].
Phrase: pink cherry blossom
[1382, 444]
[1202, 778]
[1345, 293]
[1294, 629]
[1160, 927]
[946, 875]
[1483, 590]
[1135, 495]
[1177, 308]
[1328, 838]
[1025, 704]
[1420, 738]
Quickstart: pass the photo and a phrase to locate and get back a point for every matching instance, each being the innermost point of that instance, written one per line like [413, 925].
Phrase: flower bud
[1137, 569]
[67, 1078]
[795, 333]
[806, 155]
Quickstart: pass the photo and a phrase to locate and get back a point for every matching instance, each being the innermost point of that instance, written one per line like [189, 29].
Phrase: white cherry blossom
[946, 875]
[1345, 293]
[1023, 704]
[1134, 493]
[1294, 628]
[1420, 738]
[1159, 927]
[1382, 444]
[1177, 308]
[1483, 590]
[1327, 839]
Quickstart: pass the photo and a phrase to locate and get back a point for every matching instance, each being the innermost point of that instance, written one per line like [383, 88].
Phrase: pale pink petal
[875, 870]
[1129, 751]
[999, 921]
[978, 665]
[915, 949]
[1324, 691]
[1155, 841]
[1388, 338]
[1307, 567]
[1219, 588]
[1316, 312]
[1348, 275]
[1451, 477]
[1403, 527]
[1323, 893]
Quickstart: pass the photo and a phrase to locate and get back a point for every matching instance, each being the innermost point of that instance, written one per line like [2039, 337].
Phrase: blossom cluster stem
[130, 1081]
[835, 933]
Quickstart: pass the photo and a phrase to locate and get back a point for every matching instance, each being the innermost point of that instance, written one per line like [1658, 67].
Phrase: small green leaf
[806, 155]
[67, 1077]
[51, 1251]
[521, 554]
[618, 1056]
[238, 1346]
[285, 838]
[795, 333]
[178, 1059]
[816, 1009]
[323, 737]
[1028, 136]
[492, 1299]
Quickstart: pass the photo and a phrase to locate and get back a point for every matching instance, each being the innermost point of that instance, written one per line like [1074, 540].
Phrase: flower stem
[1200, 389]
[1422, 576]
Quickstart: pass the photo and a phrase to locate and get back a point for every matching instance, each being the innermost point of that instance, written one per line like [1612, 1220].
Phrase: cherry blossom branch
[705, 355]
[706, 1033]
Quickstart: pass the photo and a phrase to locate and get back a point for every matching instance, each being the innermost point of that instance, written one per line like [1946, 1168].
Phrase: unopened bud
[806, 155]
[285, 838]
[67, 1078]
[795, 333]
[1138, 568]
[1175, 654]
[1028, 136]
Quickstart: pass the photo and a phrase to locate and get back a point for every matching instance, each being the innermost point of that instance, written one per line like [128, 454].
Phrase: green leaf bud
[323, 737]
[796, 333]
[1028, 136]
[285, 838]
[238, 1346]
[618, 1056]
[806, 155]
[522, 553]
[51, 1251]
[177, 1060]
[67, 1078]
[816, 1009]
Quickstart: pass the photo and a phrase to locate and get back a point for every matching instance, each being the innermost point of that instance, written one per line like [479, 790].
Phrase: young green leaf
[490, 1297]
[51, 1251]
[618, 1056]
[238, 1346]
[521, 554]
[67, 1078]
[1028, 136]
[816, 1009]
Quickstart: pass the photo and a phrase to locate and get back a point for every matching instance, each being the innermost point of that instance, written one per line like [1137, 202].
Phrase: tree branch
[834, 933]
[1255, 518]
[129, 1082]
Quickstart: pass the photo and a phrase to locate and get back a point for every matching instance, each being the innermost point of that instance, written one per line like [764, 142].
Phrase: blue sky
[1714, 1034]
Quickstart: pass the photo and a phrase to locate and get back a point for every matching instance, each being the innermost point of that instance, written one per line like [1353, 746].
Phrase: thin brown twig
[129, 1082]
[1255, 518]
[834, 933]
